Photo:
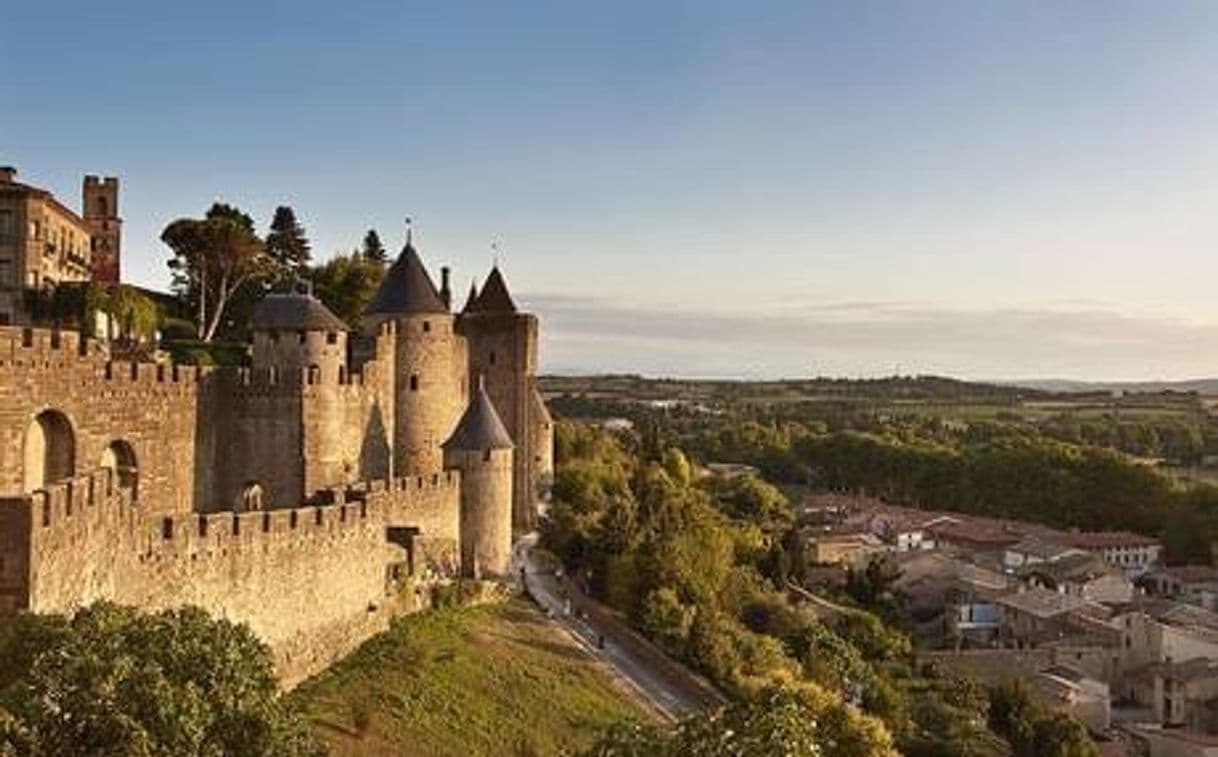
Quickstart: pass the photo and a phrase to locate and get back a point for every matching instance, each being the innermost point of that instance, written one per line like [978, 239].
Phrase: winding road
[670, 687]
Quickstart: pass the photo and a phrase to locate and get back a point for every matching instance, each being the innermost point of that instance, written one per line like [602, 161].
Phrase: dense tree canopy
[698, 563]
[111, 680]
[347, 283]
[213, 259]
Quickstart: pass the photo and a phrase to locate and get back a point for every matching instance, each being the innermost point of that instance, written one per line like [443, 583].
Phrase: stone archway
[119, 457]
[50, 450]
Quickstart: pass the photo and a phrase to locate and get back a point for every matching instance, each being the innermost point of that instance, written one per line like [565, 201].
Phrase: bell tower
[101, 214]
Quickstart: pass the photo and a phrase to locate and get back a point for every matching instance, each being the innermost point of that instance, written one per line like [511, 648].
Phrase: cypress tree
[373, 249]
[286, 242]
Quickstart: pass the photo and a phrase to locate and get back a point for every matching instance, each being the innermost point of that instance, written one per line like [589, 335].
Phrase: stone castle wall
[152, 408]
[311, 581]
[343, 523]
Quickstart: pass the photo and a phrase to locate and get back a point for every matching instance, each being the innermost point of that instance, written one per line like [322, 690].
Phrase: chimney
[446, 292]
[7, 174]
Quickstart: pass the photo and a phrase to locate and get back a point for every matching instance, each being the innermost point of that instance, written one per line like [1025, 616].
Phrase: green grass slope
[488, 680]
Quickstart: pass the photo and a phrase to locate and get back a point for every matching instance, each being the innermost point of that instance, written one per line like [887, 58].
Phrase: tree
[213, 258]
[347, 283]
[373, 250]
[796, 723]
[286, 243]
[111, 680]
[1033, 731]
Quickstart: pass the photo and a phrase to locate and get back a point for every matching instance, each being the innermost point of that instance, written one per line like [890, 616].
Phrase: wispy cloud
[1078, 339]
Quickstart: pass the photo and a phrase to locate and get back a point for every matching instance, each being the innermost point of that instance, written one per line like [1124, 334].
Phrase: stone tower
[287, 436]
[100, 202]
[541, 443]
[503, 351]
[430, 379]
[295, 331]
[481, 450]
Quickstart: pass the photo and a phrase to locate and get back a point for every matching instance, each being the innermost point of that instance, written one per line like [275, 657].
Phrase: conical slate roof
[406, 288]
[480, 427]
[472, 300]
[294, 311]
[494, 297]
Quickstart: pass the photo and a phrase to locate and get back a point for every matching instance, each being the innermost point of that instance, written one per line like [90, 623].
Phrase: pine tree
[373, 249]
[286, 242]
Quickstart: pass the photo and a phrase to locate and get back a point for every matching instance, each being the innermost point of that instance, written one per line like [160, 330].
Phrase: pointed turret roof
[480, 428]
[406, 288]
[494, 297]
[472, 300]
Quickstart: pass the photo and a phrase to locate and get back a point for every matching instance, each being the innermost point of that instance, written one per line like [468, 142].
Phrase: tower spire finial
[495, 253]
[409, 222]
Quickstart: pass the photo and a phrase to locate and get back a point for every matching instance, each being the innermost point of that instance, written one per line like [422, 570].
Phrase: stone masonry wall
[310, 581]
[154, 408]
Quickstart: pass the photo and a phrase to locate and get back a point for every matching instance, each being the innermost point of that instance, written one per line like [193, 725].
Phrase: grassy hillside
[494, 679]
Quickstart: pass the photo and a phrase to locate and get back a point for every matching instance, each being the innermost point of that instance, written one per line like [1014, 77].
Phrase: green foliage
[779, 721]
[287, 245]
[135, 315]
[195, 352]
[1033, 731]
[214, 260]
[346, 284]
[110, 680]
[752, 499]
[695, 566]
[372, 249]
[872, 587]
[667, 621]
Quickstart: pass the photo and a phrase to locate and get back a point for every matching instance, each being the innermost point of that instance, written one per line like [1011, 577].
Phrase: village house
[1080, 574]
[1132, 553]
[1158, 634]
[1035, 616]
[1194, 584]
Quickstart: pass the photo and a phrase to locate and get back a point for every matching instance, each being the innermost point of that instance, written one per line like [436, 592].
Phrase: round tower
[294, 331]
[541, 445]
[481, 450]
[429, 363]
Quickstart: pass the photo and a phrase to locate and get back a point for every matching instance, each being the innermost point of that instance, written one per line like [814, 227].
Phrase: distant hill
[1200, 386]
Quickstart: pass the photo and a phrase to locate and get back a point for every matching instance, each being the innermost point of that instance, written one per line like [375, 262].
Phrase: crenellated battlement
[320, 409]
[92, 506]
[56, 351]
[33, 346]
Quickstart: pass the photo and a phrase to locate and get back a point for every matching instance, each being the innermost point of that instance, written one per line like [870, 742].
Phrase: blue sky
[987, 189]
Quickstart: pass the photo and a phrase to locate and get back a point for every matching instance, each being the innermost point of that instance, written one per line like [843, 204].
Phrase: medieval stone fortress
[304, 494]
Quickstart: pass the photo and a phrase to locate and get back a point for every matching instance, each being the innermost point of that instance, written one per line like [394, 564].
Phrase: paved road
[670, 687]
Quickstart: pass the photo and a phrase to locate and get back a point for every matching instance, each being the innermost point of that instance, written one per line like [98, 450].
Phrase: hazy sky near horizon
[986, 189]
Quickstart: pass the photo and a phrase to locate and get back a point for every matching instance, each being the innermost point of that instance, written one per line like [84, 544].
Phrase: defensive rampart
[151, 409]
[311, 581]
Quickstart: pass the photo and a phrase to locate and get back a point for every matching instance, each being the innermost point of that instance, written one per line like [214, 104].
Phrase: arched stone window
[119, 457]
[50, 450]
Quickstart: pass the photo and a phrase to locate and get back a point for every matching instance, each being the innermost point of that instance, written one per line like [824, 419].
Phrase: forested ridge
[1066, 469]
[700, 564]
